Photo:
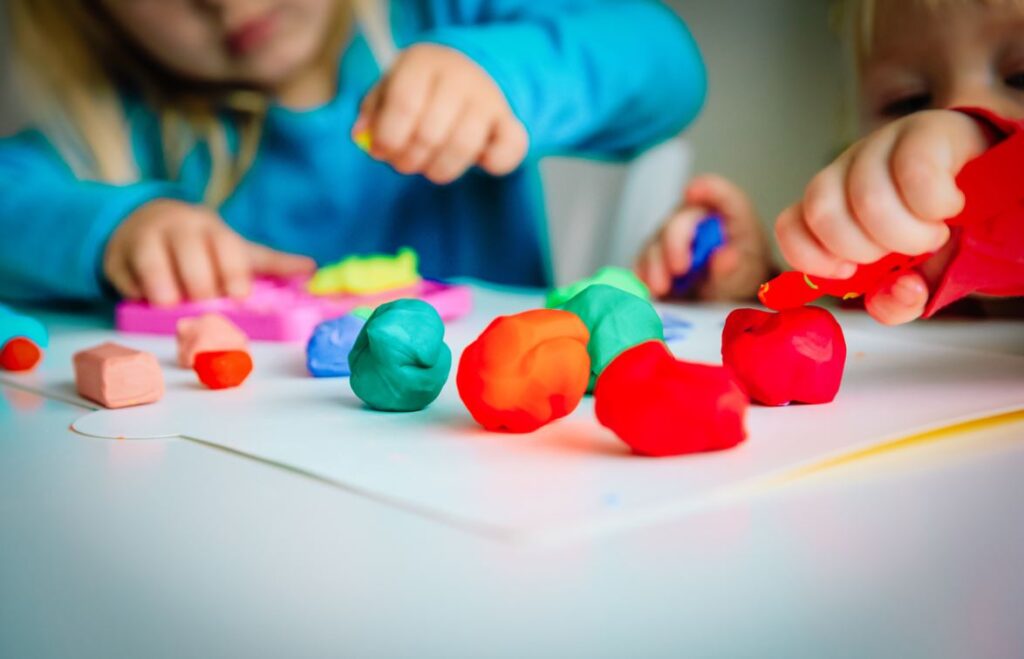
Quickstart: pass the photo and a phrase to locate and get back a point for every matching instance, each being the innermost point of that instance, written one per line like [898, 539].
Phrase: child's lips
[251, 34]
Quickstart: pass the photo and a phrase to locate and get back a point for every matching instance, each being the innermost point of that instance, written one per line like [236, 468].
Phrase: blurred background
[775, 114]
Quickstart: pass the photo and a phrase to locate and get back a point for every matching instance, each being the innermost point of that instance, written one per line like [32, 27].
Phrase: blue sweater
[596, 78]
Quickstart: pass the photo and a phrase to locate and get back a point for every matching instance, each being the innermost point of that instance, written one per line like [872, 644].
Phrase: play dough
[400, 361]
[20, 354]
[616, 320]
[797, 355]
[223, 369]
[620, 278]
[366, 275]
[22, 340]
[115, 376]
[525, 370]
[207, 333]
[328, 348]
[661, 406]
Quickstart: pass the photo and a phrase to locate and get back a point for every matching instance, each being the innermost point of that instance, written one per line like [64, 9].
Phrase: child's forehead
[885, 28]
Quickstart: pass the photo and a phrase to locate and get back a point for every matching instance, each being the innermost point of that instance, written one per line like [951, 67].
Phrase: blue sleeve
[54, 226]
[592, 77]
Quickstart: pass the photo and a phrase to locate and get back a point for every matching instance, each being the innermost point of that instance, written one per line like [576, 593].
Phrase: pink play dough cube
[115, 376]
[210, 332]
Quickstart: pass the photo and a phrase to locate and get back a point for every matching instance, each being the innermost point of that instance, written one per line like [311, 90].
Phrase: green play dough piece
[619, 278]
[400, 361]
[617, 321]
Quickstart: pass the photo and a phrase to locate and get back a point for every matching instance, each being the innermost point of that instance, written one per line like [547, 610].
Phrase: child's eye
[1016, 80]
[901, 107]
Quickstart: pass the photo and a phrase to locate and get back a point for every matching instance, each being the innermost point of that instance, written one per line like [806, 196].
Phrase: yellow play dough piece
[366, 275]
[364, 140]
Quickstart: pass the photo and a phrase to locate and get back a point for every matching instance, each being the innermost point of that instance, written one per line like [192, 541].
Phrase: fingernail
[909, 291]
[237, 289]
[845, 271]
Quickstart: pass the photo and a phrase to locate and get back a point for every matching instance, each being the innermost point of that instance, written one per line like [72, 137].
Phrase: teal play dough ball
[400, 361]
[617, 321]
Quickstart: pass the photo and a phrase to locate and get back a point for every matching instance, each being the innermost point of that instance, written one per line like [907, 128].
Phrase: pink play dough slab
[282, 310]
[115, 376]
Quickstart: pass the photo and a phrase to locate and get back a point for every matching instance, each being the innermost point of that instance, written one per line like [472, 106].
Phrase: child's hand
[437, 113]
[168, 251]
[736, 269]
[890, 192]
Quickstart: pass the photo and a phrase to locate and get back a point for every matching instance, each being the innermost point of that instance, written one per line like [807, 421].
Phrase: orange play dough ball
[20, 354]
[223, 369]
[525, 370]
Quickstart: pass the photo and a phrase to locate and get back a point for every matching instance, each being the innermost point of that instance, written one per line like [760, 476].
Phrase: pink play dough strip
[282, 310]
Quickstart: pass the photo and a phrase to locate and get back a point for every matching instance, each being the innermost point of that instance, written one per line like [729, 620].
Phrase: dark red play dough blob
[20, 354]
[793, 356]
[661, 406]
[223, 369]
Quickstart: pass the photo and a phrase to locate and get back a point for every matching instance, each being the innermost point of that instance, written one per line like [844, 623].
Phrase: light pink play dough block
[210, 332]
[116, 376]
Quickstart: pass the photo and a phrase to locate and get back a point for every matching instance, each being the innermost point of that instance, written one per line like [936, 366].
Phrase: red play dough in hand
[796, 355]
[224, 369]
[662, 406]
[525, 370]
[20, 354]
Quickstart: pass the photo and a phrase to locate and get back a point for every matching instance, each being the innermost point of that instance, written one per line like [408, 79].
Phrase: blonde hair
[71, 63]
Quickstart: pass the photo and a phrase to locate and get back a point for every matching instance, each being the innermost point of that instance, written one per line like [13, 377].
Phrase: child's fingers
[434, 128]
[232, 260]
[725, 197]
[879, 208]
[828, 218]
[463, 148]
[120, 277]
[922, 164]
[368, 109]
[266, 261]
[651, 269]
[677, 239]
[899, 301]
[507, 147]
[404, 97]
[152, 268]
[802, 250]
[193, 262]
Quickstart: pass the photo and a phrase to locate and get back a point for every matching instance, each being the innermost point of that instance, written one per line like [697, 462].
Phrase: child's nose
[988, 97]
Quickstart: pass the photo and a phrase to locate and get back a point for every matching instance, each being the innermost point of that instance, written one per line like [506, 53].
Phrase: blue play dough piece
[710, 235]
[328, 347]
[676, 328]
[14, 324]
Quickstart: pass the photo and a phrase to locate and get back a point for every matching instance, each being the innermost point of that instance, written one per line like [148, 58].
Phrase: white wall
[775, 94]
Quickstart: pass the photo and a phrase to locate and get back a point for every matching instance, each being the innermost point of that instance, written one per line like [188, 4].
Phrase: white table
[173, 548]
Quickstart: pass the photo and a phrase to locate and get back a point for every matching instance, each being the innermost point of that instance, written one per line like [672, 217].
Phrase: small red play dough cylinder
[20, 354]
[793, 356]
[223, 369]
[525, 370]
[661, 406]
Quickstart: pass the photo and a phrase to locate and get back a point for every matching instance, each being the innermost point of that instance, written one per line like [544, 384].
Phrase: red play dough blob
[20, 354]
[223, 369]
[525, 370]
[662, 406]
[793, 356]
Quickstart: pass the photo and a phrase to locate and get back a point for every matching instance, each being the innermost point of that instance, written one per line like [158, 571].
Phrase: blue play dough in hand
[14, 324]
[710, 235]
[328, 348]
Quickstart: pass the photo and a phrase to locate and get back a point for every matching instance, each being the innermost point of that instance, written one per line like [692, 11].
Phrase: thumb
[266, 261]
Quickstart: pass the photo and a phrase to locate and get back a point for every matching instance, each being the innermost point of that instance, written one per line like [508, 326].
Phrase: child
[183, 147]
[891, 191]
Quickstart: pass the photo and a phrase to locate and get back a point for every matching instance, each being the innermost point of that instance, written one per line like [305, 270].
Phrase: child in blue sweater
[180, 147]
